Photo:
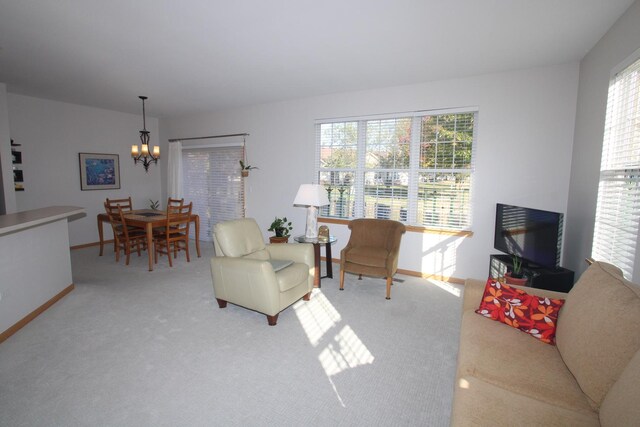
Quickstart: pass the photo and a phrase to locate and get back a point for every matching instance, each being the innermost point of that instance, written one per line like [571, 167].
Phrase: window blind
[616, 228]
[213, 183]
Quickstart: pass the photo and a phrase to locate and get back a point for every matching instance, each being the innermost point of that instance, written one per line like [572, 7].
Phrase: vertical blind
[213, 183]
[618, 208]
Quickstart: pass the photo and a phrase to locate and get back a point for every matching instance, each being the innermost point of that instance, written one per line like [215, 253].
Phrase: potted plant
[244, 169]
[281, 227]
[516, 275]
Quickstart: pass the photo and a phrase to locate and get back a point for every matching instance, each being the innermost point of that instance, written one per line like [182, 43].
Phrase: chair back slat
[111, 205]
[174, 202]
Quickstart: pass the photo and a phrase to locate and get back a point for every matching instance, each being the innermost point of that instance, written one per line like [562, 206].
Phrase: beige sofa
[590, 378]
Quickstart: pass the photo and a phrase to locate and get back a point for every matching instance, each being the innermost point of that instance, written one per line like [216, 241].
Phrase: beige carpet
[130, 347]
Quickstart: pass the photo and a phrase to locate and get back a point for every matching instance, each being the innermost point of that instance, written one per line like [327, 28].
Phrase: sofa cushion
[369, 256]
[529, 313]
[620, 406]
[599, 329]
[478, 403]
[512, 360]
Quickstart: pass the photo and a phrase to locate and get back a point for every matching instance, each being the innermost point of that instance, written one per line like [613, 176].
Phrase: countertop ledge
[26, 219]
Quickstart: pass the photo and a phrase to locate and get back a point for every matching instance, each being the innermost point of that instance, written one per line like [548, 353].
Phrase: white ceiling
[201, 55]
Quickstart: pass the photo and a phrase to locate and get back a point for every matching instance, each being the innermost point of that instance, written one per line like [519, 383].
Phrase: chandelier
[144, 155]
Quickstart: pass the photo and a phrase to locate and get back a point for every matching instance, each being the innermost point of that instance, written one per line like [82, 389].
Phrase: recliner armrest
[251, 283]
[296, 252]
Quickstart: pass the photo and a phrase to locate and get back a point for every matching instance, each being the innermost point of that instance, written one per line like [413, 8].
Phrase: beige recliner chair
[264, 278]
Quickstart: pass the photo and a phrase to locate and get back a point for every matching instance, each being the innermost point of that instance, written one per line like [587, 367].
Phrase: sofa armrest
[473, 290]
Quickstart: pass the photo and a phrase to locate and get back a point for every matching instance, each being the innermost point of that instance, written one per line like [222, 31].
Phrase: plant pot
[278, 239]
[245, 173]
[515, 280]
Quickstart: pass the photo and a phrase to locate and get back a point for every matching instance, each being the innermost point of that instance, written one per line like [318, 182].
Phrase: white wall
[525, 135]
[53, 133]
[34, 267]
[595, 71]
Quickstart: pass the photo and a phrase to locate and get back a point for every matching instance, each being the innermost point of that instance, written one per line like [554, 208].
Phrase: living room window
[411, 167]
[615, 236]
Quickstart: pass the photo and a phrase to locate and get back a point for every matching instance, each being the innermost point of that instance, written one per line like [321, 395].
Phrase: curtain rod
[209, 137]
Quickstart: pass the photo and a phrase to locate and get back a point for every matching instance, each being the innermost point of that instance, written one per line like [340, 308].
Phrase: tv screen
[532, 234]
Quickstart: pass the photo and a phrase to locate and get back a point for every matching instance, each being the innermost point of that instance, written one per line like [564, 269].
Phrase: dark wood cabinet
[554, 279]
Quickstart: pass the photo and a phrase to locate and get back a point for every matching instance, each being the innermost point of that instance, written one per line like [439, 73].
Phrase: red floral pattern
[537, 316]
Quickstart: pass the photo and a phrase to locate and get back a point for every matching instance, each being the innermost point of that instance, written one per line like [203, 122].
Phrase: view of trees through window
[415, 169]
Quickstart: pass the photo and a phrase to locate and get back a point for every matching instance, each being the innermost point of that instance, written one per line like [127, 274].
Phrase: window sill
[410, 228]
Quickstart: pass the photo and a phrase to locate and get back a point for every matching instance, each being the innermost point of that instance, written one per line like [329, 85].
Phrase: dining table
[147, 219]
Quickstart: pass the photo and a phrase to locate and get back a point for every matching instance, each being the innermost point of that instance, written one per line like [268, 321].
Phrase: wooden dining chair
[176, 235]
[124, 237]
[111, 206]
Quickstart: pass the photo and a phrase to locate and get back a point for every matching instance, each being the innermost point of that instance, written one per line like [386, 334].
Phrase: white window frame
[413, 171]
[617, 221]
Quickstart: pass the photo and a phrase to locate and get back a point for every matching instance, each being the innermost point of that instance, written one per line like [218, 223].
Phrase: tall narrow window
[212, 182]
[615, 235]
[411, 167]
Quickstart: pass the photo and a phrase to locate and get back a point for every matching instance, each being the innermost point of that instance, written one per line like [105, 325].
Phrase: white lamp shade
[311, 195]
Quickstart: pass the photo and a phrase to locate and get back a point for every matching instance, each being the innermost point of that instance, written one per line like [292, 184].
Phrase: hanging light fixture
[144, 155]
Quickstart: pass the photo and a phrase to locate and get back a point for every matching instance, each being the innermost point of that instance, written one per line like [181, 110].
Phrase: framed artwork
[99, 171]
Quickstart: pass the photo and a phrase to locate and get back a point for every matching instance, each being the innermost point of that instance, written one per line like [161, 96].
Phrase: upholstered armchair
[372, 249]
[264, 278]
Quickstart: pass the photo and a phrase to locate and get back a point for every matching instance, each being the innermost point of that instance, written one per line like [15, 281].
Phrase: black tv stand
[554, 279]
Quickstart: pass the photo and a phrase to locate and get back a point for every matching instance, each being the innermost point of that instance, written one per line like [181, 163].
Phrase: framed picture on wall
[99, 171]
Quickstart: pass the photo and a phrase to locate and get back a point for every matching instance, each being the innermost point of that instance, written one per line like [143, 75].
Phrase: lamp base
[311, 231]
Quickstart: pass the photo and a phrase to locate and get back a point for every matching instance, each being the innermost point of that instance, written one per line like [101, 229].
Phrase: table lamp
[312, 196]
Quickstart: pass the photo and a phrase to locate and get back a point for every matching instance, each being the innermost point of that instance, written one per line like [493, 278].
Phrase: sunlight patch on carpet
[316, 316]
[447, 287]
[347, 351]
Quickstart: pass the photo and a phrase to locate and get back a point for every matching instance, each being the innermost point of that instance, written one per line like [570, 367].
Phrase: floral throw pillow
[537, 316]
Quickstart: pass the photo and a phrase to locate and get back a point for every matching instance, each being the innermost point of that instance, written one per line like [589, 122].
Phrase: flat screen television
[532, 234]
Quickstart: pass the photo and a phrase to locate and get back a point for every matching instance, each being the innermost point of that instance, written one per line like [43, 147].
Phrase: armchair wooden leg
[342, 280]
[272, 319]
[221, 303]
[359, 276]
[389, 280]
[307, 296]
